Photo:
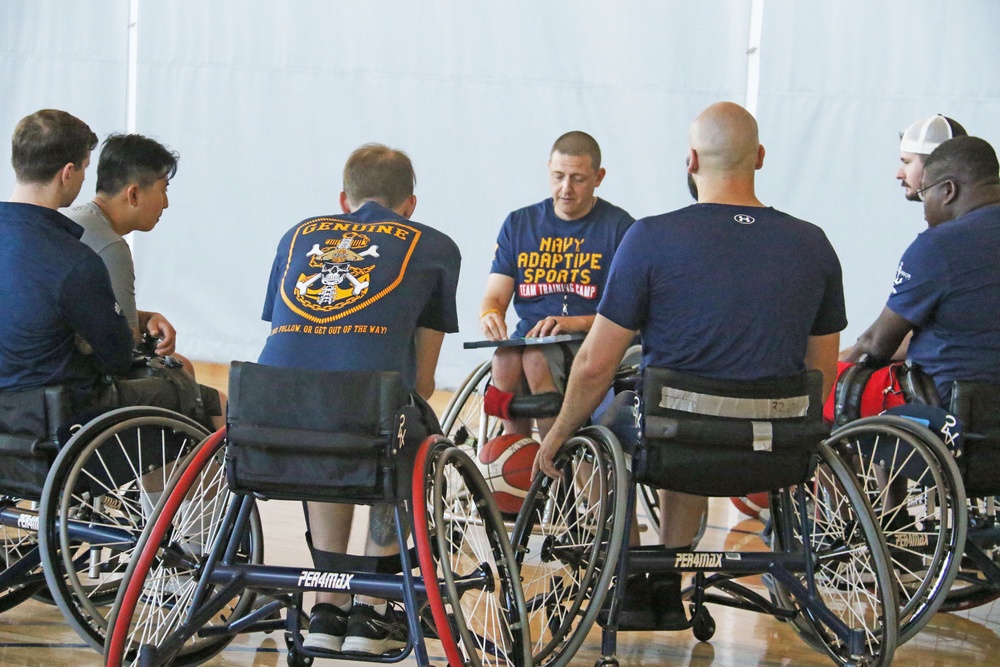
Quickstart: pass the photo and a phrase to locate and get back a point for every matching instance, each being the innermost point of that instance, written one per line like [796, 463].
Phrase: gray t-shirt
[114, 251]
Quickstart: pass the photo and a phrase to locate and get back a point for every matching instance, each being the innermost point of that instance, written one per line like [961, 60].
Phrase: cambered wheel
[462, 546]
[567, 539]
[158, 586]
[971, 587]
[852, 575]
[464, 422]
[915, 490]
[97, 497]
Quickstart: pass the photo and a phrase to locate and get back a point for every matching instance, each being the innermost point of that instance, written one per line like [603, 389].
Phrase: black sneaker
[373, 634]
[327, 627]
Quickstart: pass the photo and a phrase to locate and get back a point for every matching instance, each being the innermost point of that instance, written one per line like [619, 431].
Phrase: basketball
[753, 505]
[506, 464]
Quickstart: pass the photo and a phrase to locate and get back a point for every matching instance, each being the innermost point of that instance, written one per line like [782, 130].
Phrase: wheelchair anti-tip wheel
[567, 538]
[466, 561]
[158, 587]
[97, 496]
[852, 577]
[915, 490]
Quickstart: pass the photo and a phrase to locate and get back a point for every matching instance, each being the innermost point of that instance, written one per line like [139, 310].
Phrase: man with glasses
[947, 285]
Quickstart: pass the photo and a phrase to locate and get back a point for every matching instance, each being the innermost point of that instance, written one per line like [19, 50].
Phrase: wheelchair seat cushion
[300, 434]
[728, 438]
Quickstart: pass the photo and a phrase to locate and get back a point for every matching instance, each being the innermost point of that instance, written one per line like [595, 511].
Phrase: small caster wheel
[296, 659]
[704, 626]
[607, 662]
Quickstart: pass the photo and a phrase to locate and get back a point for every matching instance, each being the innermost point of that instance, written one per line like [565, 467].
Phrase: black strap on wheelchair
[918, 386]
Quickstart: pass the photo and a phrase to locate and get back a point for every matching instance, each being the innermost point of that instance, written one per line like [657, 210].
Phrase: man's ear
[132, 194]
[408, 207]
[600, 176]
[66, 173]
[692, 161]
[949, 192]
[345, 207]
[760, 157]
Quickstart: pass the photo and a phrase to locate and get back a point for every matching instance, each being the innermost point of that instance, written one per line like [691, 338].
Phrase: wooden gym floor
[34, 633]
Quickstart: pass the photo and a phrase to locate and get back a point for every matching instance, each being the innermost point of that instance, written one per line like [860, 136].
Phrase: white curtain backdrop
[264, 100]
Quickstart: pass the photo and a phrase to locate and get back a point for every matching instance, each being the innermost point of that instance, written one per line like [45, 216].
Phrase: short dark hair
[579, 144]
[46, 141]
[133, 158]
[968, 160]
[378, 173]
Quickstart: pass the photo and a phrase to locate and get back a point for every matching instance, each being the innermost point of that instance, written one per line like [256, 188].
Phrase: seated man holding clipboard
[551, 258]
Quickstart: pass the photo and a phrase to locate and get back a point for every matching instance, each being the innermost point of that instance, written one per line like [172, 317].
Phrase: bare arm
[428, 347]
[883, 338]
[499, 292]
[593, 371]
[821, 355]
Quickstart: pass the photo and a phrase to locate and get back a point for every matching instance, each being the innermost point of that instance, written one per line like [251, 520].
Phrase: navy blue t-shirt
[559, 266]
[55, 287]
[347, 292]
[726, 292]
[948, 286]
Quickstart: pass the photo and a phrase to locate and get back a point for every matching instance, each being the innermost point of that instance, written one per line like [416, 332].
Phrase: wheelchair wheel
[971, 587]
[158, 587]
[95, 503]
[464, 422]
[567, 539]
[17, 544]
[915, 490]
[852, 578]
[477, 606]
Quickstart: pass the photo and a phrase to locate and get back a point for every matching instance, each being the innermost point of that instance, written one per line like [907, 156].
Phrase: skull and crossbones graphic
[335, 269]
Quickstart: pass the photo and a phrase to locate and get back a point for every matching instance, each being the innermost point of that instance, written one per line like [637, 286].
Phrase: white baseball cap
[925, 135]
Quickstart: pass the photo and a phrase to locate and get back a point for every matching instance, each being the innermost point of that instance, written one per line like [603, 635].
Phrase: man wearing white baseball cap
[917, 142]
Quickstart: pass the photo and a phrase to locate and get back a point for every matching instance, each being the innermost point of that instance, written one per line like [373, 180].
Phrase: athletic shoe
[327, 627]
[371, 633]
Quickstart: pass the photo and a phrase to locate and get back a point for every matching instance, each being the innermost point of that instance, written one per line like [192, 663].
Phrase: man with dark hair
[772, 306]
[916, 143]
[133, 173]
[366, 289]
[61, 323]
[551, 258]
[947, 285]
[132, 178]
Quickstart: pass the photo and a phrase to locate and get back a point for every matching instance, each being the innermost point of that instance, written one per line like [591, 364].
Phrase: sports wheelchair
[353, 437]
[951, 542]
[75, 493]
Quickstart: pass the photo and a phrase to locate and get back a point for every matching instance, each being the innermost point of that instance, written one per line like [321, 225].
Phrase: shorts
[559, 358]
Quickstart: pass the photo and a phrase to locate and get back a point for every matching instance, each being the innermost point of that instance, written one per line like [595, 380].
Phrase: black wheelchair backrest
[722, 437]
[29, 437]
[306, 434]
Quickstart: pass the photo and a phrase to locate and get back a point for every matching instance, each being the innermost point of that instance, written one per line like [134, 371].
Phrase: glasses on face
[921, 191]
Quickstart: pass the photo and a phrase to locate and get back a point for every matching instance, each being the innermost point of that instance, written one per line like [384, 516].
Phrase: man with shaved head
[552, 259]
[726, 289]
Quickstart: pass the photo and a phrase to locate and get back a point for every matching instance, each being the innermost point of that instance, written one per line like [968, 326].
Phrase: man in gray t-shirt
[132, 178]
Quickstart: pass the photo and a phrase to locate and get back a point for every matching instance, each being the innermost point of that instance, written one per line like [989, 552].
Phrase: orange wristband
[491, 310]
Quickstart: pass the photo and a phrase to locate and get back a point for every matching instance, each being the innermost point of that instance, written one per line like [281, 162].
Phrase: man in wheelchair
[725, 289]
[947, 286]
[366, 289]
[551, 258]
[62, 324]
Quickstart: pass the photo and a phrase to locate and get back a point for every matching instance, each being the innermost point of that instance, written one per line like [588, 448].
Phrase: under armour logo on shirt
[744, 219]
